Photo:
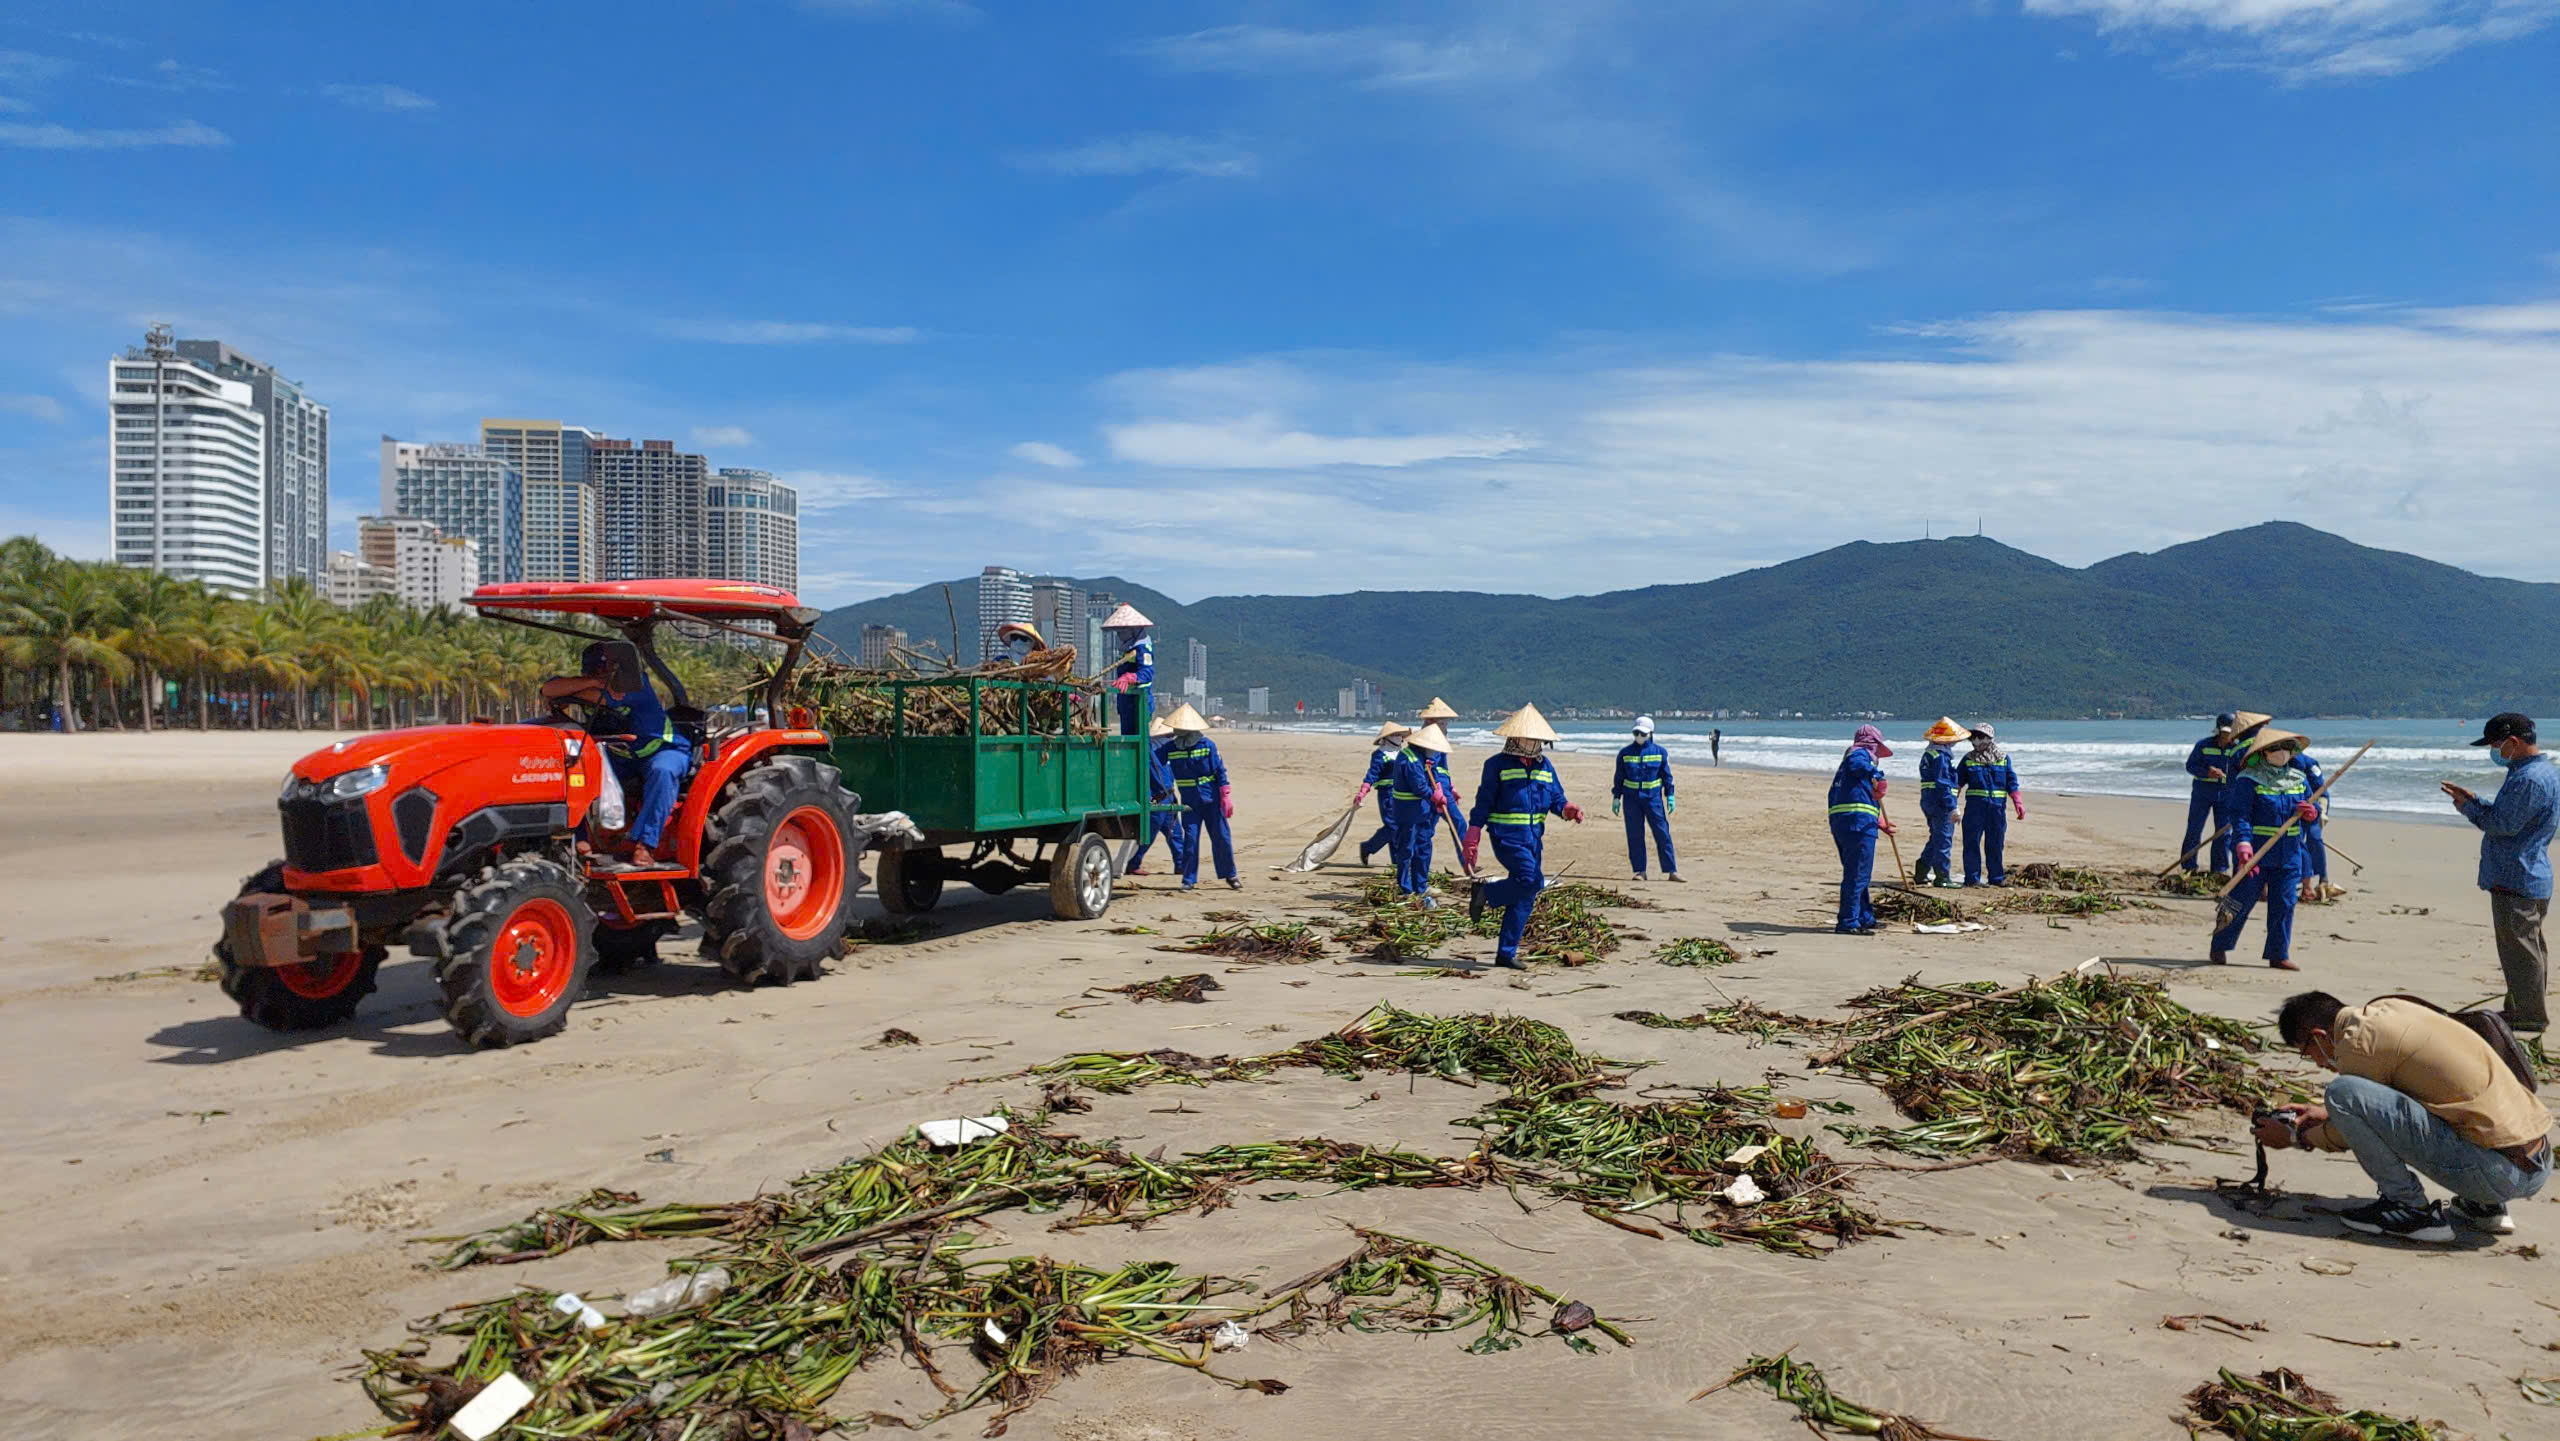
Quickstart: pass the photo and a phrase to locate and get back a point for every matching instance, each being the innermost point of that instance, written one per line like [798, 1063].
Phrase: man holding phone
[2515, 860]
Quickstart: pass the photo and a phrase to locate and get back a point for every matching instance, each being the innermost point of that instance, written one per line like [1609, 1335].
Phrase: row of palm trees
[88, 645]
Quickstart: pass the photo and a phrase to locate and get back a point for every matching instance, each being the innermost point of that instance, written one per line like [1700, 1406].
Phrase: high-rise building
[1346, 703]
[1057, 608]
[187, 469]
[878, 641]
[297, 460]
[1004, 596]
[652, 495]
[462, 490]
[426, 566]
[1195, 663]
[563, 509]
[1257, 700]
[751, 528]
[1097, 605]
[351, 581]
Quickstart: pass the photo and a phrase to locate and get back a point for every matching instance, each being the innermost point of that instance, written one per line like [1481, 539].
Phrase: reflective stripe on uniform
[1652, 785]
[1986, 795]
[1514, 818]
[1855, 808]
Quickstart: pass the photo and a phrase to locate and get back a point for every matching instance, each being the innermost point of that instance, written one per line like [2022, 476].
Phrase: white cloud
[175, 77]
[1149, 154]
[34, 407]
[788, 332]
[1265, 442]
[1373, 55]
[11, 106]
[390, 99]
[29, 70]
[2542, 319]
[63, 137]
[728, 435]
[825, 489]
[2318, 39]
[1041, 452]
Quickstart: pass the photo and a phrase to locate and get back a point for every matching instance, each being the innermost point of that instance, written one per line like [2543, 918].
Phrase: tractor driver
[648, 755]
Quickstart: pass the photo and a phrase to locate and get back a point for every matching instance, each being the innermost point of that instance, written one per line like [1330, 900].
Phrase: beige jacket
[2437, 1061]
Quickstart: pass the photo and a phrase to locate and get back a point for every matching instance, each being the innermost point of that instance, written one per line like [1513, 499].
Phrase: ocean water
[2409, 759]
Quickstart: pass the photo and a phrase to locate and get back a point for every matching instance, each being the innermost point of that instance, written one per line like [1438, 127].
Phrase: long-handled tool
[2332, 847]
[2222, 898]
[1899, 870]
[2191, 850]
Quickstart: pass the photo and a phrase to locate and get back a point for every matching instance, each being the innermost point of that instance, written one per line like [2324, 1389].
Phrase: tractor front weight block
[264, 928]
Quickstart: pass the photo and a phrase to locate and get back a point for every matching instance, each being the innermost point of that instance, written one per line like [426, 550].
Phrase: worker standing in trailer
[1990, 789]
[1857, 818]
[2271, 800]
[1207, 804]
[1640, 793]
[1941, 798]
[1389, 743]
[1134, 673]
[2211, 762]
[1518, 792]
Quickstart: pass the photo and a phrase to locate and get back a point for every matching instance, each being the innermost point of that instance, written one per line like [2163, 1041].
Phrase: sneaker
[1509, 963]
[1475, 901]
[2380, 1217]
[1190, 885]
[1640, 875]
[2492, 1219]
[1429, 904]
[1235, 883]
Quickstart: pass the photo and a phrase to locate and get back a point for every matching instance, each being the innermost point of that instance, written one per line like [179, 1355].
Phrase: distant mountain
[2277, 617]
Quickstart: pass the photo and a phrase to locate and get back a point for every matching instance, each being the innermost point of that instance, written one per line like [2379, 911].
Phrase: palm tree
[152, 611]
[271, 650]
[309, 616]
[61, 619]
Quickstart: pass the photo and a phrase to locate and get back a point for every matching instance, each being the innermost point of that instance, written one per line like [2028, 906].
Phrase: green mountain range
[2277, 617]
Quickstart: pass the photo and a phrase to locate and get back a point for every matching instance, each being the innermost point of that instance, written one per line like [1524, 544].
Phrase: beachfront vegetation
[109, 647]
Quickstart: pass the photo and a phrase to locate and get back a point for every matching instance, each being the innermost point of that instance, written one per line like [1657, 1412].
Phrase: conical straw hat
[1526, 724]
[1125, 618]
[2271, 737]
[1186, 719]
[1393, 728]
[1012, 628]
[1159, 730]
[1946, 732]
[1430, 738]
[1438, 710]
[2247, 719]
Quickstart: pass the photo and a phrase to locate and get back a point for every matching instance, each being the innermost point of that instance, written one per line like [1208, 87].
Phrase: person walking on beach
[2272, 801]
[1516, 794]
[1715, 747]
[2245, 726]
[1941, 796]
[1207, 803]
[2210, 763]
[1857, 818]
[1390, 743]
[1640, 792]
[1990, 788]
[1422, 797]
[2515, 860]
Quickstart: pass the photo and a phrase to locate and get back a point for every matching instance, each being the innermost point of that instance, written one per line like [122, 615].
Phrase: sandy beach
[209, 1222]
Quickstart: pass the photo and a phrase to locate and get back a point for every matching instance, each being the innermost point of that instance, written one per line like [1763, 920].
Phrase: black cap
[2225, 721]
[2506, 726]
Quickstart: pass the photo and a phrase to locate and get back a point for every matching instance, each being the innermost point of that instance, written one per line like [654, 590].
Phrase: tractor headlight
[358, 783]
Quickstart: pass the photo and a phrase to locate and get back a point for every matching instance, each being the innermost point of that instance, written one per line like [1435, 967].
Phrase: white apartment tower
[297, 460]
[751, 528]
[651, 496]
[1004, 596]
[878, 641]
[563, 506]
[461, 490]
[187, 469]
[427, 567]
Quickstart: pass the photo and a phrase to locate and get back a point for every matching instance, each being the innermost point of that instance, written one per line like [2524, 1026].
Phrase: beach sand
[207, 1221]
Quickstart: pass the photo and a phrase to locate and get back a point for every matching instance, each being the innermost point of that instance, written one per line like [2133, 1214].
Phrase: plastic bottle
[677, 1292]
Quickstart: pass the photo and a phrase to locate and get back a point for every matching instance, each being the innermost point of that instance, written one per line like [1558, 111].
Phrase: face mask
[2505, 762]
[1527, 747]
[2276, 760]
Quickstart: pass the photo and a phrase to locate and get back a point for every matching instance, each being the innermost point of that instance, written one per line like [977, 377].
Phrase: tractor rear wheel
[909, 881]
[1080, 880]
[319, 992]
[777, 870]
[515, 953]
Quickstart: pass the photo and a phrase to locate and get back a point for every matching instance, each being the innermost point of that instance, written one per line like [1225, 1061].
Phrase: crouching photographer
[2418, 1090]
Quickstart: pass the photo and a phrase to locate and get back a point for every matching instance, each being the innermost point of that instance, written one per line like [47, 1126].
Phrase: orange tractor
[468, 842]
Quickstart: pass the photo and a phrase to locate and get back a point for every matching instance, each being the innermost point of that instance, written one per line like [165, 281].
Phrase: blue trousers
[1644, 815]
[2317, 849]
[2279, 879]
[1129, 712]
[1937, 858]
[1857, 847]
[1521, 850]
[1415, 821]
[1168, 827]
[656, 777]
[2204, 807]
[1384, 838]
[1195, 818]
[1986, 831]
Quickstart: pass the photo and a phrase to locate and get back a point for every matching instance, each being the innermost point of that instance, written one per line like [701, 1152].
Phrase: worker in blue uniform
[1207, 803]
[1941, 797]
[1990, 792]
[1640, 793]
[1164, 796]
[1387, 745]
[2210, 761]
[1518, 792]
[1439, 758]
[1421, 798]
[648, 754]
[2270, 802]
[1857, 817]
[1133, 674]
[2315, 840]
[2245, 726]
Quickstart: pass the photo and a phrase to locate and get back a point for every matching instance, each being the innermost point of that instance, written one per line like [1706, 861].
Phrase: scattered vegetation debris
[1740, 1018]
[1899, 905]
[2207, 1321]
[1697, 951]
[896, 1037]
[2204, 884]
[2279, 1405]
[1824, 1411]
[1193, 988]
[1224, 917]
[1271, 941]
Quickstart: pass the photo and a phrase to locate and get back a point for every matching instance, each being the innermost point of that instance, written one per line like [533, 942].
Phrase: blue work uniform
[1642, 789]
[654, 763]
[1513, 800]
[1855, 816]
[1412, 784]
[1381, 782]
[1140, 662]
[2315, 843]
[2204, 800]
[2264, 799]
[1988, 785]
[1941, 796]
[1166, 798]
[1201, 777]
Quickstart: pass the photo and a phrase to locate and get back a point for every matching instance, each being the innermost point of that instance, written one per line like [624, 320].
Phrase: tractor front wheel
[319, 992]
[515, 953]
[777, 871]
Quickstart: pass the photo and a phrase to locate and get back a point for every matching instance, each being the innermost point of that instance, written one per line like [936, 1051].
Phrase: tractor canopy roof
[729, 600]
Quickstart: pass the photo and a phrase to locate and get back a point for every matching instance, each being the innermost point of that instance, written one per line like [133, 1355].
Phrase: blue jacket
[1140, 663]
[637, 713]
[2311, 772]
[1197, 771]
[1162, 792]
[2515, 829]
[1440, 769]
[1644, 774]
[2267, 799]
[1382, 768]
[1994, 781]
[1517, 790]
[2211, 754]
[1854, 793]
[1416, 778]
[1941, 787]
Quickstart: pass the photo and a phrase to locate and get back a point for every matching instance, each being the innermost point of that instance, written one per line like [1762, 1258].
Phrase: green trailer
[1021, 773]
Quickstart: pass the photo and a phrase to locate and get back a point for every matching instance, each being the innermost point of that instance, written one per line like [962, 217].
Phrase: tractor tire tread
[457, 944]
[734, 932]
[265, 1000]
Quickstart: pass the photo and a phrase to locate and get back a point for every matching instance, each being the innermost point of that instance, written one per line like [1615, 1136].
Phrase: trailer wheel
[1080, 881]
[777, 865]
[515, 954]
[909, 881]
[316, 993]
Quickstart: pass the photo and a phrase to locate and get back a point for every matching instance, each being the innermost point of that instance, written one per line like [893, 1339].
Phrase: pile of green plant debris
[2079, 1068]
[1269, 941]
[1742, 1018]
[1194, 989]
[1824, 1411]
[1697, 951]
[2065, 902]
[1902, 905]
[2279, 1405]
[1567, 927]
[2177, 883]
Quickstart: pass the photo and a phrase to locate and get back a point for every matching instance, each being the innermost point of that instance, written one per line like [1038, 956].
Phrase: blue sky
[1305, 297]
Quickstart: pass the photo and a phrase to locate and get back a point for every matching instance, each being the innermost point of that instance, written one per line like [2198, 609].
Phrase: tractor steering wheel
[560, 712]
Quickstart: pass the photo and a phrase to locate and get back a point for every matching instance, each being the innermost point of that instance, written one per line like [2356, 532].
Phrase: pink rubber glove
[2020, 806]
[1440, 803]
[1468, 847]
[2309, 811]
[2242, 854]
[1364, 795]
[1123, 682]
[1880, 785]
[1886, 827]
[1226, 805]
[1573, 813]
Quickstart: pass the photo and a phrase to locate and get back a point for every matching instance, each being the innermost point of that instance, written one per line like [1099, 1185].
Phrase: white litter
[569, 1303]
[1744, 1192]
[960, 1130]
[2211, 1044]
[2060, 1174]
[1747, 1155]
[1949, 928]
[994, 1332]
[1229, 1337]
[677, 1292]
[2092, 961]
[495, 1406]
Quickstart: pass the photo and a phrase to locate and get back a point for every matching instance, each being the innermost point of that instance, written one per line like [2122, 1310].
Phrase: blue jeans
[1414, 824]
[1222, 846]
[1857, 847]
[2280, 881]
[1521, 850]
[1937, 858]
[1648, 814]
[2391, 1134]
[2204, 807]
[1986, 831]
[657, 777]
